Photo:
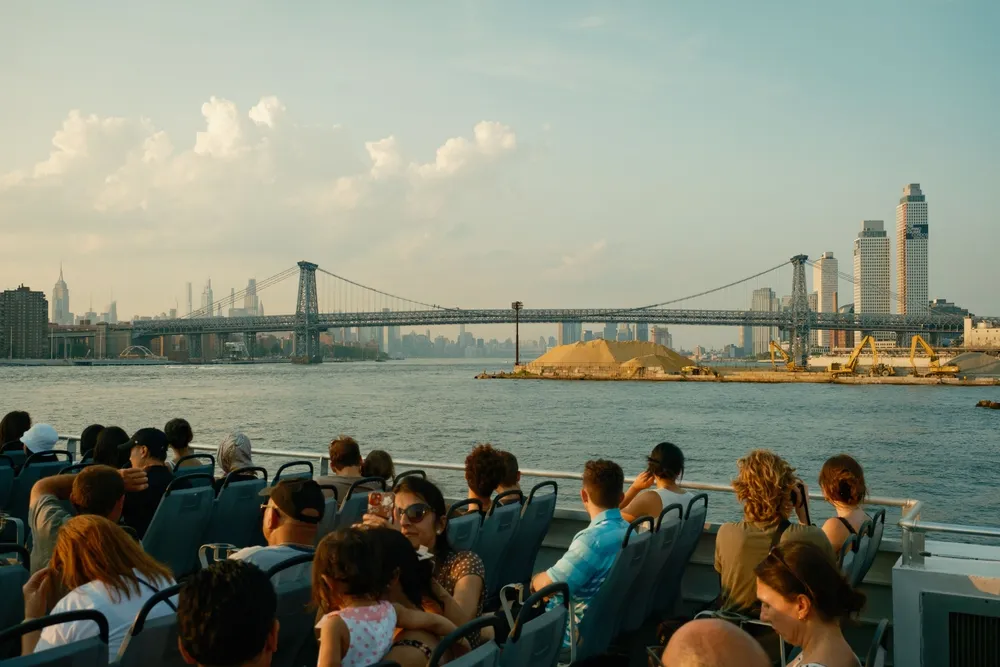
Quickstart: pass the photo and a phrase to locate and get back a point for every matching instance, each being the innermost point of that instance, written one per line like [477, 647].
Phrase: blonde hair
[91, 548]
[763, 485]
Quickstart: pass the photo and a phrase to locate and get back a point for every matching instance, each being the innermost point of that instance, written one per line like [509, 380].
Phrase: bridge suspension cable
[229, 300]
[849, 278]
[386, 294]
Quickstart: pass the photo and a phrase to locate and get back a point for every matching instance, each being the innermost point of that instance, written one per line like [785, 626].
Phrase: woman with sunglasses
[805, 598]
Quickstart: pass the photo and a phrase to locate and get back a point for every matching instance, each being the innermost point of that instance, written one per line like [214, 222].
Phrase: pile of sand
[602, 353]
[976, 363]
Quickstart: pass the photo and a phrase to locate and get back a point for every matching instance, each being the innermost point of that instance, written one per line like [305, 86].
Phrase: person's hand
[135, 479]
[36, 594]
[376, 521]
[801, 494]
[644, 480]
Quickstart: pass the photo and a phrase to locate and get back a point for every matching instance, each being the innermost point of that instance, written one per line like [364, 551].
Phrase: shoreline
[747, 377]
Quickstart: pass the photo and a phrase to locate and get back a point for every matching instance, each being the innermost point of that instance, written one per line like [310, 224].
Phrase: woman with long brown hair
[843, 483]
[98, 566]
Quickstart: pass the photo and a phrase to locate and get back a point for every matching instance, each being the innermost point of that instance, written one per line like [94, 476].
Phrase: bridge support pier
[250, 341]
[306, 349]
[193, 346]
[801, 316]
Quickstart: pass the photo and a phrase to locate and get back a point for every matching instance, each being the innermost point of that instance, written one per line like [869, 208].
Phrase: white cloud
[490, 140]
[223, 136]
[268, 111]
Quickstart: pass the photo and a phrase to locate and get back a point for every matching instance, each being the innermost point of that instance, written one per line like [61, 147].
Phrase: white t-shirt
[668, 497]
[267, 557]
[120, 615]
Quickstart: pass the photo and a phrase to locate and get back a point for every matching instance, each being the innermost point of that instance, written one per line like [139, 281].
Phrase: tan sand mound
[605, 354]
[976, 363]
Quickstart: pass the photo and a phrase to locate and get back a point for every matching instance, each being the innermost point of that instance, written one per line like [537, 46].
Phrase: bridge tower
[801, 317]
[306, 344]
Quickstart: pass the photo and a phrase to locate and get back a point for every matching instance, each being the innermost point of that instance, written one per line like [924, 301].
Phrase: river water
[929, 443]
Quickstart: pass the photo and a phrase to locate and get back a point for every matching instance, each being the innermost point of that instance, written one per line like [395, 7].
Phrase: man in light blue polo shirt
[586, 563]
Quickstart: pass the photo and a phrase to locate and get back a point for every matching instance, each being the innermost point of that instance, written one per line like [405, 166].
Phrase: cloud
[490, 140]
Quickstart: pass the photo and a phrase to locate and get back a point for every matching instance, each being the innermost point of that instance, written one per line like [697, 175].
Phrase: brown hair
[603, 481]
[344, 453]
[484, 470]
[350, 557]
[378, 464]
[91, 548]
[802, 568]
[96, 490]
[843, 480]
[510, 469]
[763, 486]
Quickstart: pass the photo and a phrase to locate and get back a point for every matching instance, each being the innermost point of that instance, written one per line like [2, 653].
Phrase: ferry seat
[12, 578]
[848, 552]
[668, 590]
[303, 474]
[178, 526]
[7, 474]
[75, 468]
[536, 516]
[35, 468]
[495, 537]
[858, 570]
[878, 529]
[537, 639]
[15, 455]
[355, 504]
[602, 618]
[11, 531]
[879, 652]
[88, 652]
[654, 570]
[485, 655]
[153, 641]
[463, 526]
[329, 521]
[409, 473]
[296, 639]
[205, 468]
[236, 511]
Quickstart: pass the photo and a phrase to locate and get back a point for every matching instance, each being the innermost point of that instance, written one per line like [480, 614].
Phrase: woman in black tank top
[843, 483]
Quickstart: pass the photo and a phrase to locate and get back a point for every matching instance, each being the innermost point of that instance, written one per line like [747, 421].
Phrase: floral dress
[455, 567]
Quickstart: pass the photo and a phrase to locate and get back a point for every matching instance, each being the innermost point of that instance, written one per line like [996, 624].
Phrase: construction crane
[849, 368]
[935, 369]
[789, 363]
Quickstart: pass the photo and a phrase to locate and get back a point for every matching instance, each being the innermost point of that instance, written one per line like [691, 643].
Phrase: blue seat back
[293, 470]
[536, 516]
[495, 537]
[153, 641]
[12, 578]
[602, 618]
[11, 530]
[669, 588]
[878, 652]
[537, 642]
[207, 467]
[84, 653]
[17, 456]
[669, 525]
[330, 508]
[848, 552]
[236, 517]
[486, 655]
[178, 526]
[858, 570]
[75, 468]
[409, 473]
[296, 639]
[463, 526]
[355, 504]
[7, 474]
[878, 529]
[32, 471]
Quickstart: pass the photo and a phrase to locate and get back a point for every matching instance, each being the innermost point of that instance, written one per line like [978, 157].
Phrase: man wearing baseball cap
[292, 512]
[147, 450]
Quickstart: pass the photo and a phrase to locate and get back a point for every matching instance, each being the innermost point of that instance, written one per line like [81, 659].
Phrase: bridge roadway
[832, 321]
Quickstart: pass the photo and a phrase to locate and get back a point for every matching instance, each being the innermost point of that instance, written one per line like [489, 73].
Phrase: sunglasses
[415, 512]
[773, 553]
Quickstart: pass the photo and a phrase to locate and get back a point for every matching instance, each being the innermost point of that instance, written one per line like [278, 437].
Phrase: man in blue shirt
[590, 556]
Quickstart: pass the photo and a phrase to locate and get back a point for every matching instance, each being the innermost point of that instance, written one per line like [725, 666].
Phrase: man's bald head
[713, 643]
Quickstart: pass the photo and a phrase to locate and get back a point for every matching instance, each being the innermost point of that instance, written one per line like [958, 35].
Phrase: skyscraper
[250, 302]
[60, 301]
[190, 305]
[871, 273]
[825, 281]
[570, 332]
[764, 300]
[24, 324]
[610, 331]
[642, 331]
[911, 251]
[207, 299]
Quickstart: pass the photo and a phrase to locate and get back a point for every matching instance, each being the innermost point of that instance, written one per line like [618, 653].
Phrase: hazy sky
[470, 153]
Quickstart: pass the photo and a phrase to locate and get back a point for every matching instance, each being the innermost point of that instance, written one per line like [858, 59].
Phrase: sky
[469, 153]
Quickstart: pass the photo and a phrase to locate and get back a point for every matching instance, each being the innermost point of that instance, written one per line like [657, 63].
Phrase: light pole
[517, 306]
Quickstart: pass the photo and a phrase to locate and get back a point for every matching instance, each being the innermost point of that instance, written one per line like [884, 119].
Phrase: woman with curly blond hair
[768, 490]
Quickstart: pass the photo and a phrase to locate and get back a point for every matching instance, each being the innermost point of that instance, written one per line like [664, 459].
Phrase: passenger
[657, 486]
[712, 642]
[147, 449]
[39, 439]
[843, 483]
[767, 488]
[103, 569]
[88, 441]
[484, 471]
[107, 452]
[227, 616]
[12, 427]
[805, 598]
[179, 437]
[592, 552]
[291, 521]
[233, 454]
[379, 464]
[96, 489]
[346, 463]
[511, 480]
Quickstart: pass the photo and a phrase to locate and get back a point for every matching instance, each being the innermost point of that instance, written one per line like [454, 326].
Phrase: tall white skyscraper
[250, 302]
[911, 251]
[207, 299]
[60, 301]
[763, 299]
[190, 305]
[825, 281]
[871, 273]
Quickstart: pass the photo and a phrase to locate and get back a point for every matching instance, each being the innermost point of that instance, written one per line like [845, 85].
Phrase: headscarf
[234, 452]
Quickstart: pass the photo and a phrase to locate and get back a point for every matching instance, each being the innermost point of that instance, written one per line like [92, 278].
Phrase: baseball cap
[40, 438]
[301, 499]
[152, 439]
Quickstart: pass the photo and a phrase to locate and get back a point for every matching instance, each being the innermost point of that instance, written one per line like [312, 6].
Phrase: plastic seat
[153, 641]
[205, 468]
[668, 530]
[7, 474]
[858, 570]
[11, 530]
[878, 529]
[669, 588]
[12, 578]
[236, 511]
[75, 468]
[463, 527]
[296, 640]
[602, 618]
[495, 535]
[536, 516]
[329, 521]
[538, 641]
[354, 505]
[878, 653]
[303, 474]
[486, 655]
[35, 468]
[408, 473]
[16, 455]
[178, 526]
[848, 552]
[91, 652]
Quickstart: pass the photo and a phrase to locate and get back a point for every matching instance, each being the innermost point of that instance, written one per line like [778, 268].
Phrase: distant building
[24, 324]
[610, 331]
[660, 335]
[841, 339]
[393, 344]
[911, 250]
[764, 300]
[250, 302]
[745, 341]
[60, 302]
[624, 332]
[871, 274]
[943, 307]
[826, 278]
[552, 341]
[642, 331]
[207, 299]
[570, 332]
[588, 335]
[981, 335]
[189, 304]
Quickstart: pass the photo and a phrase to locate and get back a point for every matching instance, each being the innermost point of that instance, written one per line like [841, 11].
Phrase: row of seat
[857, 555]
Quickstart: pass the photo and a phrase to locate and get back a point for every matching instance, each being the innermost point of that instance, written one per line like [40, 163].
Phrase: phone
[382, 503]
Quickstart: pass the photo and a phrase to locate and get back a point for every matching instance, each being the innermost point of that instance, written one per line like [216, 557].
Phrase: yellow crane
[789, 364]
[849, 368]
[934, 368]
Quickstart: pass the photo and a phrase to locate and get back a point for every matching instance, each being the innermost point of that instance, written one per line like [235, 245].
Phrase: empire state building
[60, 302]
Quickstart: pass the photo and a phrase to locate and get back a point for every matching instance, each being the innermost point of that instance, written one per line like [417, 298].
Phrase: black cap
[301, 499]
[152, 439]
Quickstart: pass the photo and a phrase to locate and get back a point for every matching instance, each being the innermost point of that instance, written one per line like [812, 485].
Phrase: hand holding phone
[381, 503]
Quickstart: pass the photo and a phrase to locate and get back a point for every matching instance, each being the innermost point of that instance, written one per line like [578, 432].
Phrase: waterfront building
[642, 331]
[250, 302]
[207, 299]
[763, 300]
[60, 301]
[588, 335]
[660, 335]
[981, 335]
[190, 308]
[624, 332]
[871, 274]
[570, 332]
[911, 250]
[24, 324]
[610, 331]
[745, 341]
[826, 277]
